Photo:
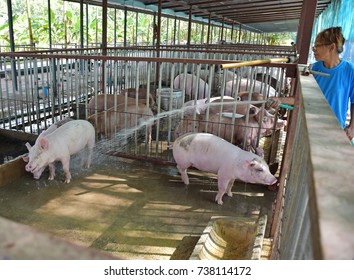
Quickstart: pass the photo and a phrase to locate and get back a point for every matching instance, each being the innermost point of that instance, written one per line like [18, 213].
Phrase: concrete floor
[130, 209]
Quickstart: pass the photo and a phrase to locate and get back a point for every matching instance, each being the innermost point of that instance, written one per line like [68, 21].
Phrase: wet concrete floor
[129, 208]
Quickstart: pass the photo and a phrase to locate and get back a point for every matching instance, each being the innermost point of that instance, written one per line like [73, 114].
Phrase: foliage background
[31, 26]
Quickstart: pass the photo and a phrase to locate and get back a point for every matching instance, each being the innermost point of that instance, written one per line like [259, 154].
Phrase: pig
[252, 96]
[217, 77]
[248, 134]
[276, 78]
[200, 105]
[31, 150]
[122, 118]
[120, 99]
[191, 86]
[245, 85]
[63, 142]
[142, 94]
[213, 154]
[221, 125]
[228, 105]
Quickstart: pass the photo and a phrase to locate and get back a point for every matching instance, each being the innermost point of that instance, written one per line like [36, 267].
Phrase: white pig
[211, 153]
[192, 84]
[200, 105]
[245, 85]
[68, 139]
[31, 150]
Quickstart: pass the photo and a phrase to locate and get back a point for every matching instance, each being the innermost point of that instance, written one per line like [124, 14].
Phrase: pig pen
[136, 207]
[127, 208]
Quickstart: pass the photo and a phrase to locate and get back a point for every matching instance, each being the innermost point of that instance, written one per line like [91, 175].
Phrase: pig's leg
[149, 134]
[222, 187]
[66, 168]
[89, 157]
[184, 174]
[90, 147]
[51, 171]
[229, 187]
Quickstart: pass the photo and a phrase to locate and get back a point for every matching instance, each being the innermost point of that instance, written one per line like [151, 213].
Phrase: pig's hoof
[51, 178]
[218, 200]
[229, 194]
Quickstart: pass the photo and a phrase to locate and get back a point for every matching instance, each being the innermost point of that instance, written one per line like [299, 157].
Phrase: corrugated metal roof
[262, 15]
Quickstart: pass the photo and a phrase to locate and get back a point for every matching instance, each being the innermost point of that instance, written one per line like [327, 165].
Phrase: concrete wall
[314, 216]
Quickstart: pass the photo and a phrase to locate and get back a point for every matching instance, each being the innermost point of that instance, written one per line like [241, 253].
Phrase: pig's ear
[43, 143]
[254, 111]
[25, 157]
[252, 163]
[28, 146]
[256, 165]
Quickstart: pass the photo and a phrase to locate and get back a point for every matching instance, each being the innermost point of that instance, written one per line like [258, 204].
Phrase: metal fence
[40, 88]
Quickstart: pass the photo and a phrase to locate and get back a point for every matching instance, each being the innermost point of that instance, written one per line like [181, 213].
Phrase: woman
[338, 88]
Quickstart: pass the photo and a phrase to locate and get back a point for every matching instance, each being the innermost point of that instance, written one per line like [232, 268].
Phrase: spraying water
[124, 137]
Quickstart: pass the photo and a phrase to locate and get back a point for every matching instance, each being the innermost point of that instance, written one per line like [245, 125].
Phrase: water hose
[284, 106]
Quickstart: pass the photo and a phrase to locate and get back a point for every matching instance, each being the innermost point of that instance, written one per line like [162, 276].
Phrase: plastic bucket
[166, 95]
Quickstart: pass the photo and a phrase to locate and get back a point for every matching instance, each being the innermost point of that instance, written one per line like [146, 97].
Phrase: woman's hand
[274, 102]
[350, 132]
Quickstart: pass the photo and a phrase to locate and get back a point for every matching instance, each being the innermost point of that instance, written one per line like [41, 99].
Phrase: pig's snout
[29, 167]
[273, 181]
[273, 187]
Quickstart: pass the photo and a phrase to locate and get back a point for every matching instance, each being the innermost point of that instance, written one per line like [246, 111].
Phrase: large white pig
[142, 95]
[218, 78]
[246, 85]
[213, 154]
[233, 128]
[192, 86]
[200, 106]
[131, 116]
[66, 140]
[110, 101]
[31, 150]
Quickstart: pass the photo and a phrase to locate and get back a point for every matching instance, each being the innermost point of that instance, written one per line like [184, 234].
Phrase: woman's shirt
[338, 88]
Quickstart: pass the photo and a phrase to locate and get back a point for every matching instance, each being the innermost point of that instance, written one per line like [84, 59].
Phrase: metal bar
[254, 62]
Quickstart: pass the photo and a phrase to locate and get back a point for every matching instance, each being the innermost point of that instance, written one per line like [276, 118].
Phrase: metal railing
[46, 86]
